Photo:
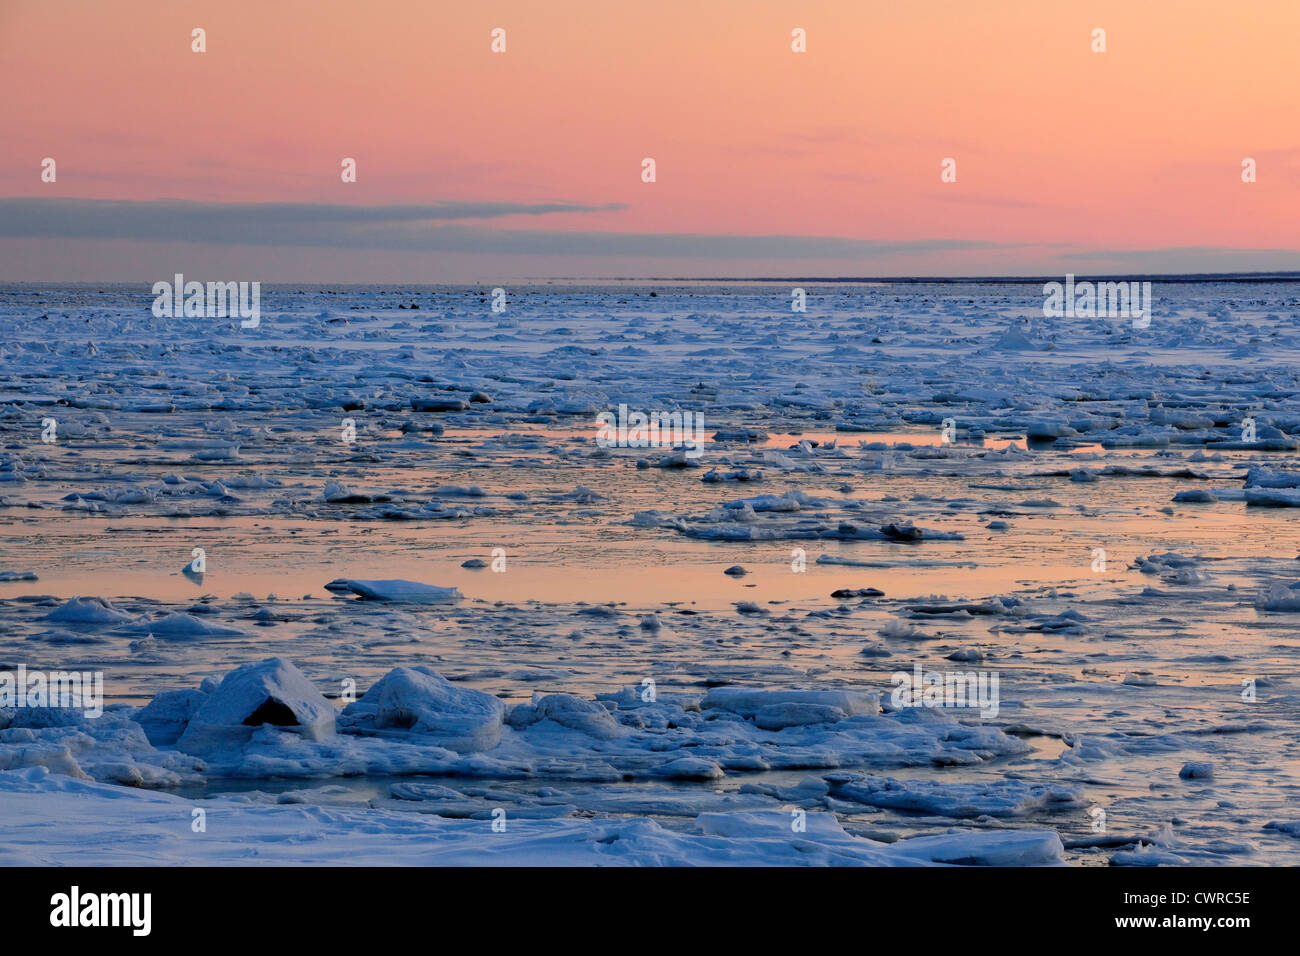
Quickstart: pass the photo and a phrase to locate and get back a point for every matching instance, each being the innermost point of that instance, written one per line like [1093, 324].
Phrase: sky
[479, 166]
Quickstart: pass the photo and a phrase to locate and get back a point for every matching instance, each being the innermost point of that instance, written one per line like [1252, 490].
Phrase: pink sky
[1066, 159]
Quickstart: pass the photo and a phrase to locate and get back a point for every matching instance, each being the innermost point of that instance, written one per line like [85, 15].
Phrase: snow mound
[1257, 477]
[418, 700]
[1013, 340]
[568, 711]
[165, 717]
[396, 589]
[791, 714]
[268, 693]
[180, 627]
[748, 702]
[1279, 597]
[1005, 798]
[88, 610]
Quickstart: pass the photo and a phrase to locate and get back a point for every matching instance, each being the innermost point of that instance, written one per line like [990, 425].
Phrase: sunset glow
[1065, 157]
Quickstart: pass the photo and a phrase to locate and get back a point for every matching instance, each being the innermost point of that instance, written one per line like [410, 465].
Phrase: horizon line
[1174, 277]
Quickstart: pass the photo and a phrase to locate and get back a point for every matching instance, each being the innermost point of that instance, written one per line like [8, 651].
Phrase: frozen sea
[1101, 516]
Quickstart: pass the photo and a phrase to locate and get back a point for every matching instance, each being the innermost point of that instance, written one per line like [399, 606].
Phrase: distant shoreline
[634, 281]
[977, 280]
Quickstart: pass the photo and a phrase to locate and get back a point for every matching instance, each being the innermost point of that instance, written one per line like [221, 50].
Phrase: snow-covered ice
[470, 606]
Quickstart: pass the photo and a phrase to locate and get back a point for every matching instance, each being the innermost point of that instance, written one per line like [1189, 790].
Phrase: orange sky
[1066, 159]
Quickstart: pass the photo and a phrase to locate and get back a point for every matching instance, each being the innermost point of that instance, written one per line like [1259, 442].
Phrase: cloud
[257, 223]
[64, 237]
[1185, 251]
[433, 227]
[675, 245]
[1184, 260]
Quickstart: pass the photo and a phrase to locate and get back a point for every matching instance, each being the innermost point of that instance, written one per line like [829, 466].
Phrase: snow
[421, 702]
[399, 590]
[748, 703]
[90, 611]
[268, 719]
[54, 819]
[529, 689]
[273, 692]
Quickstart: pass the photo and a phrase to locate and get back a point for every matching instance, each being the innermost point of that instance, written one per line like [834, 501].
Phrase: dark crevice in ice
[271, 711]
